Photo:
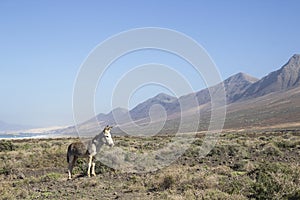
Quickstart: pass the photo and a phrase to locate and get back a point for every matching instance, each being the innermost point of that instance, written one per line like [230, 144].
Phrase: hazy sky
[44, 43]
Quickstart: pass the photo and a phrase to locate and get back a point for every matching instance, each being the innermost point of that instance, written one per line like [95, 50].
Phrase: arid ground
[256, 164]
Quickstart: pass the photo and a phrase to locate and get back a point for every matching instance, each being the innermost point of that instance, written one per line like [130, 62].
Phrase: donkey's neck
[98, 140]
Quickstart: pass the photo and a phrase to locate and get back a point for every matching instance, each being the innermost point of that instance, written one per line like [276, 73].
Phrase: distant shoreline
[20, 136]
[33, 136]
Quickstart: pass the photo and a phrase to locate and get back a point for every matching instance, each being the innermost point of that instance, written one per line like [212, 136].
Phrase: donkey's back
[76, 149]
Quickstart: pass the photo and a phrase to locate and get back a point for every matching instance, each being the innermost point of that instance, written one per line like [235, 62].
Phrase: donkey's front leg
[89, 167]
[93, 169]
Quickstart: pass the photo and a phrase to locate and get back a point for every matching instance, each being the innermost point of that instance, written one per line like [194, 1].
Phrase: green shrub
[5, 170]
[265, 187]
[101, 168]
[272, 150]
[272, 180]
[51, 176]
[295, 195]
[80, 166]
[286, 144]
[6, 145]
[237, 185]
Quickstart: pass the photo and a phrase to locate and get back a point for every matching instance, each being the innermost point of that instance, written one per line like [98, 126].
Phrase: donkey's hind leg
[71, 165]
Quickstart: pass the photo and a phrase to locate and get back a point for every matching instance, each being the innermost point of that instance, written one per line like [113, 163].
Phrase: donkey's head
[108, 139]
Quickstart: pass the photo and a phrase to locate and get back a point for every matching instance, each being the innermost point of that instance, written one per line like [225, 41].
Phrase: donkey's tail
[68, 153]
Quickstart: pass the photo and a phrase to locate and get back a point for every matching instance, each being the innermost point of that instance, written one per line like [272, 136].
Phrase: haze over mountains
[12, 127]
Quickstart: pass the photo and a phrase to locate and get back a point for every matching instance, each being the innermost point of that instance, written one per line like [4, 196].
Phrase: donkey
[78, 149]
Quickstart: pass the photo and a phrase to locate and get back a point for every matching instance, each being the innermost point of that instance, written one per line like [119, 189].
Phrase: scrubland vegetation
[242, 165]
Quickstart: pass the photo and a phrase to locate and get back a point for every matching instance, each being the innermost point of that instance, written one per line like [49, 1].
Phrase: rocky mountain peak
[119, 110]
[162, 97]
[237, 84]
[169, 103]
[241, 77]
[238, 79]
[288, 76]
[292, 66]
[295, 59]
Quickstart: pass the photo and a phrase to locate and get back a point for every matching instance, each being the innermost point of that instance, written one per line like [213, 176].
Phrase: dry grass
[253, 165]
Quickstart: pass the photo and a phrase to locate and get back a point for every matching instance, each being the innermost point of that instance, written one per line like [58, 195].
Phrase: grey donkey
[79, 149]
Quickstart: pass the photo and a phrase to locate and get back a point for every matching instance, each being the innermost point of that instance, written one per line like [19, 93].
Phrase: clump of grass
[161, 183]
[167, 182]
[239, 165]
[7, 196]
[80, 166]
[198, 142]
[272, 150]
[293, 195]
[50, 176]
[274, 180]
[5, 170]
[6, 145]
[22, 193]
[213, 194]
[45, 145]
[222, 170]
[263, 138]
[90, 183]
[102, 168]
[238, 184]
[286, 144]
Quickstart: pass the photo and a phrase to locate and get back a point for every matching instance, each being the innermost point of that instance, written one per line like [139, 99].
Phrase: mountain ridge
[288, 76]
[239, 88]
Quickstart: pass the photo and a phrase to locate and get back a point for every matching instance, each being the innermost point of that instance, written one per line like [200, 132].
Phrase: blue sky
[44, 43]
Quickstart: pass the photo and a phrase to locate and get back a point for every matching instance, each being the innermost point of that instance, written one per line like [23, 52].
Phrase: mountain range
[271, 100]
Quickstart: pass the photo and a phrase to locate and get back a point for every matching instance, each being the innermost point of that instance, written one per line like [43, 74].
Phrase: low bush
[167, 182]
[6, 145]
[273, 180]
